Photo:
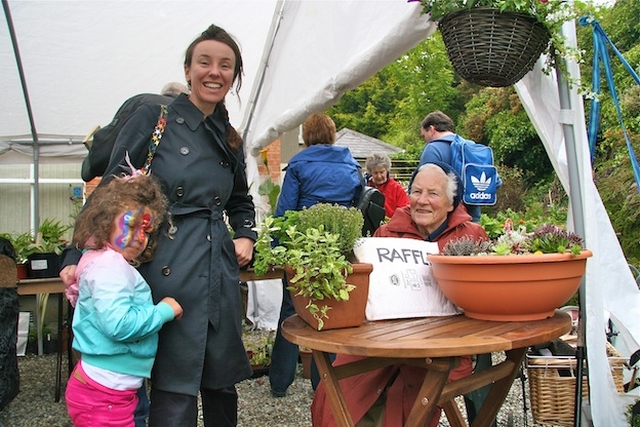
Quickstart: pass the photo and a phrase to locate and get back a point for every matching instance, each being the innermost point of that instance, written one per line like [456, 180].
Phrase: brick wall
[90, 186]
[274, 160]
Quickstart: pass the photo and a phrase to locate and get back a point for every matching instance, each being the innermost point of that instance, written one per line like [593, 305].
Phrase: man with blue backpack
[473, 162]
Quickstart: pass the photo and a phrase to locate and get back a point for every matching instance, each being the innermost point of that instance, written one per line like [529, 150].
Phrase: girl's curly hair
[94, 223]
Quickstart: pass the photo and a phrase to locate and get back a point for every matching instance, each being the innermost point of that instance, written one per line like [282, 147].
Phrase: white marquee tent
[82, 59]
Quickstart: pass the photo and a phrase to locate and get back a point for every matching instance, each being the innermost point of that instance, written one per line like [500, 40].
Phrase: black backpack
[371, 204]
[97, 160]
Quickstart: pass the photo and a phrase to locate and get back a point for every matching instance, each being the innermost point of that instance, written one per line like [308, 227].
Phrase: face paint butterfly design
[133, 225]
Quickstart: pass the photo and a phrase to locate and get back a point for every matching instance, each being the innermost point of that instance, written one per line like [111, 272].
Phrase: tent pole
[35, 213]
[567, 119]
[264, 63]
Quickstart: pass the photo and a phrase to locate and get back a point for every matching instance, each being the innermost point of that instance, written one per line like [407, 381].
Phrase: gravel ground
[35, 407]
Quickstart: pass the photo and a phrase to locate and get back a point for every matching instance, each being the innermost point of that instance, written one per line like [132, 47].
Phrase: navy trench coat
[195, 262]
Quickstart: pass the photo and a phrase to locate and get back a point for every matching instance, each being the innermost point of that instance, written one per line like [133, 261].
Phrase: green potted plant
[21, 243]
[305, 354]
[517, 276]
[496, 42]
[259, 353]
[314, 246]
[45, 249]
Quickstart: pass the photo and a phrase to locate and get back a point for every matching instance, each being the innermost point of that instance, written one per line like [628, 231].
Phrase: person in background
[173, 89]
[9, 312]
[115, 322]
[395, 196]
[200, 164]
[435, 215]
[320, 173]
[437, 129]
[103, 140]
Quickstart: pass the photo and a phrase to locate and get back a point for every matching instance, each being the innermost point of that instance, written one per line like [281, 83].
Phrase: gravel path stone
[35, 407]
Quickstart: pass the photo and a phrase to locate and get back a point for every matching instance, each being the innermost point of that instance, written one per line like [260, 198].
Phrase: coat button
[179, 191]
[248, 223]
[209, 237]
[217, 200]
[173, 230]
[184, 150]
[180, 120]
[166, 271]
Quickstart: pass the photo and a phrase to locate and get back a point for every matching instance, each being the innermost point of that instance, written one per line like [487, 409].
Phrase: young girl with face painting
[116, 323]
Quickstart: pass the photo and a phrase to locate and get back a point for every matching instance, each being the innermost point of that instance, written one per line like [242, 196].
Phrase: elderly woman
[434, 214]
[395, 196]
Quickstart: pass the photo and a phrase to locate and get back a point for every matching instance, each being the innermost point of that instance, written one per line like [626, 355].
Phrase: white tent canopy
[83, 59]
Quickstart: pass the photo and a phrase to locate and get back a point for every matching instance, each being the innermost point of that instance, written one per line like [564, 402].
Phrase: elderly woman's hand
[244, 250]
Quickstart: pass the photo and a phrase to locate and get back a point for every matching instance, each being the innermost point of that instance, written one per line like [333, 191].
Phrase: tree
[370, 107]
[391, 104]
[495, 117]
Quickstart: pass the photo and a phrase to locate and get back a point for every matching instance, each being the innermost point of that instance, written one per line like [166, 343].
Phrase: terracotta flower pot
[510, 287]
[305, 358]
[23, 271]
[343, 314]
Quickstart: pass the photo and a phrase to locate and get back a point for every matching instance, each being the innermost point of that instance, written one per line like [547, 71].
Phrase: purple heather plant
[545, 239]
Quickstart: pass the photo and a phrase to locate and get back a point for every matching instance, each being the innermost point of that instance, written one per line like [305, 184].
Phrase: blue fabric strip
[601, 54]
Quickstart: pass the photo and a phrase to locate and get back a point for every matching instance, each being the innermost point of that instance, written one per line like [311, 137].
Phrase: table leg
[332, 388]
[434, 381]
[454, 416]
[39, 326]
[59, 358]
[499, 390]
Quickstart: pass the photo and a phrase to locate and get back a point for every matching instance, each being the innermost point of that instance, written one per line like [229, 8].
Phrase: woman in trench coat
[200, 163]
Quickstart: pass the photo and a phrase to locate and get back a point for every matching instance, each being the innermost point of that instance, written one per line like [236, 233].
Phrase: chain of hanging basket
[492, 48]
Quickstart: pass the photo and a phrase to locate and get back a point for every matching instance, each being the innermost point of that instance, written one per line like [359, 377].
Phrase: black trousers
[219, 407]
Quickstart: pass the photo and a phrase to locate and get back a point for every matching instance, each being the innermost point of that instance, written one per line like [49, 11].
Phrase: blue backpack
[474, 163]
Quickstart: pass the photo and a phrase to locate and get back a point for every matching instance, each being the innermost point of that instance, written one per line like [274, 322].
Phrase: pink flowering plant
[552, 14]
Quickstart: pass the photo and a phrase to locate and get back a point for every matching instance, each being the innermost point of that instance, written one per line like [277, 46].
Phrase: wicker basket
[490, 48]
[552, 386]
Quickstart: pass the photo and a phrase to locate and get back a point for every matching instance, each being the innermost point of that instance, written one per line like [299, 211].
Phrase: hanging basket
[490, 48]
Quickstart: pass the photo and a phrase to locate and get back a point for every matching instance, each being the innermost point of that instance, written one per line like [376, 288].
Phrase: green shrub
[348, 225]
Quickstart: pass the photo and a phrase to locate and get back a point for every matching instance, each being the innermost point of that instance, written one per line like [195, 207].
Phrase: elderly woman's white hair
[454, 186]
[376, 160]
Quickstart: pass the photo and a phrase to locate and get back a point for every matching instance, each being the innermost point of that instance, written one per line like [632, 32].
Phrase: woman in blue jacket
[321, 173]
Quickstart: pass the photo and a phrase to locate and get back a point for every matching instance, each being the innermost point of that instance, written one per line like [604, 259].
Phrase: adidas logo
[481, 183]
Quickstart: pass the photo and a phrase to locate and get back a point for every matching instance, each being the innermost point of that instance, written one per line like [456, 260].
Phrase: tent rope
[601, 55]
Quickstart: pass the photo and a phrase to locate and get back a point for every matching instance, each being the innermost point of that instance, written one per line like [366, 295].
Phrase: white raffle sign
[401, 284]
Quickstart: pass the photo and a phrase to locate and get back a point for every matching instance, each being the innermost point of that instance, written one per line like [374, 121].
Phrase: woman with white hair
[378, 166]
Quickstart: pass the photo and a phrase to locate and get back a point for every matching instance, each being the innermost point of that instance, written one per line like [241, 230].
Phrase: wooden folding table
[437, 343]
